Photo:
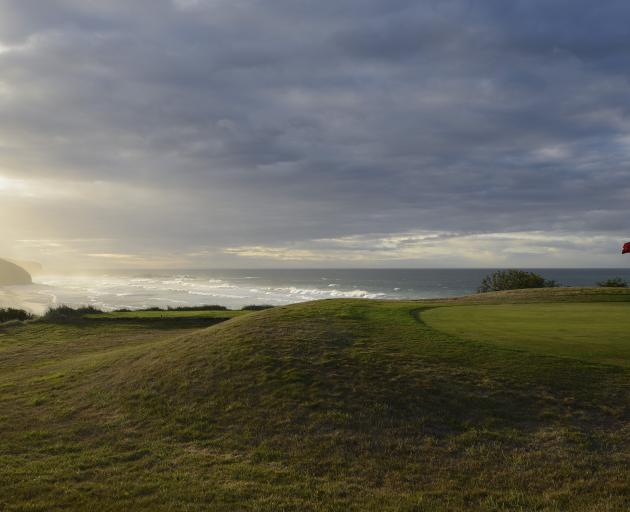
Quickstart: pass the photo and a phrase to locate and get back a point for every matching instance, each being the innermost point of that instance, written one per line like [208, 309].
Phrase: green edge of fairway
[595, 332]
[168, 314]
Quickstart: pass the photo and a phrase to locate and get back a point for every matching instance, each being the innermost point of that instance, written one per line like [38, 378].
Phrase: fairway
[598, 332]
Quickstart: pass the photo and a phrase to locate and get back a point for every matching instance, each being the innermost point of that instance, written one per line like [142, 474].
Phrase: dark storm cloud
[293, 120]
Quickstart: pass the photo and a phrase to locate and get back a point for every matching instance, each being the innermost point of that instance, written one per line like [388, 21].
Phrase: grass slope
[330, 405]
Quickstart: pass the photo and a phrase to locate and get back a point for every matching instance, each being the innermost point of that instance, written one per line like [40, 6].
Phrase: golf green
[598, 332]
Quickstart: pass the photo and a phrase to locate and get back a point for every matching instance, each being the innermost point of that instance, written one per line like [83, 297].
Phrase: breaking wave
[110, 292]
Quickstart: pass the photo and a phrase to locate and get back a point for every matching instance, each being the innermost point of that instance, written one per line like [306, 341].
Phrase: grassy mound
[330, 405]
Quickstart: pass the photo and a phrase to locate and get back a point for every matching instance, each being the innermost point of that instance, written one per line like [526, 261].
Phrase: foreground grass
[331, 405]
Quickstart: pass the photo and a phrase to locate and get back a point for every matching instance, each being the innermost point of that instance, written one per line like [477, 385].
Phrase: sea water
[236, 288]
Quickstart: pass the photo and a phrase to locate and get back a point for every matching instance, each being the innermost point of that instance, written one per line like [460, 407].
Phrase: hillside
[329, 405]
[11, 274]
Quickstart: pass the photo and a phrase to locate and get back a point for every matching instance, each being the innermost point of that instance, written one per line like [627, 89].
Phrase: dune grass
[331, 405]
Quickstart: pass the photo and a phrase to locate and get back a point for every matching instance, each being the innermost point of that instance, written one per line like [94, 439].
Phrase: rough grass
[332, 405]
[537, 295]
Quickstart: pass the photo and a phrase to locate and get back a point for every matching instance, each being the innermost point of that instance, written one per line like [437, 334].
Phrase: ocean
[237, 288]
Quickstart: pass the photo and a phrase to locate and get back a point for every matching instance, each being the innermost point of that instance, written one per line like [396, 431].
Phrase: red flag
[626, 248]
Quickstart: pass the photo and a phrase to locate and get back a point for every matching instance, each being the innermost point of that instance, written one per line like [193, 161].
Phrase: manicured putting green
[594, 332]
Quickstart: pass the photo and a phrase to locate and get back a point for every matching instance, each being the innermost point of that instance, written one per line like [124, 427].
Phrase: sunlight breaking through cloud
[277, 126]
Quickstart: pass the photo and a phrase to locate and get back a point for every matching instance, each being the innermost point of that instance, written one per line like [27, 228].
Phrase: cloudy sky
[247, 133]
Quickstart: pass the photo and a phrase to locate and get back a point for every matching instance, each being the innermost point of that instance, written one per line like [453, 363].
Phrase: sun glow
[36, 188]
[12, 185]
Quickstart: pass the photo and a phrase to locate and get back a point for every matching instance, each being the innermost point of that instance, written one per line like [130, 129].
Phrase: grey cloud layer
[293, 120]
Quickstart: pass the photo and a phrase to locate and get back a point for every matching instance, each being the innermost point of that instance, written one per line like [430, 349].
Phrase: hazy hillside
[32, 267]
[10, 274]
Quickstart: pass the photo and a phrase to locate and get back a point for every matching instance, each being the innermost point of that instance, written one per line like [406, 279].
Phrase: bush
[614, 282]
[256, 307]
[207, 307]
[513, 279]
[67, 314]
[7, 314]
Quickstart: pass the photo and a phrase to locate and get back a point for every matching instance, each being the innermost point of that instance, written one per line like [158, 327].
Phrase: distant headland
[12, 274]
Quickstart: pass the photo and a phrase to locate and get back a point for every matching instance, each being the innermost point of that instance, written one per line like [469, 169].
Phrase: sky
[329, 133]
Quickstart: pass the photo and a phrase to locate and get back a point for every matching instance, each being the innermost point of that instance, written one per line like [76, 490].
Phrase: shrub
[207, 307]
[7, 314]
[67, 314]
[613, 282]
[256, 307]
[513, 279]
